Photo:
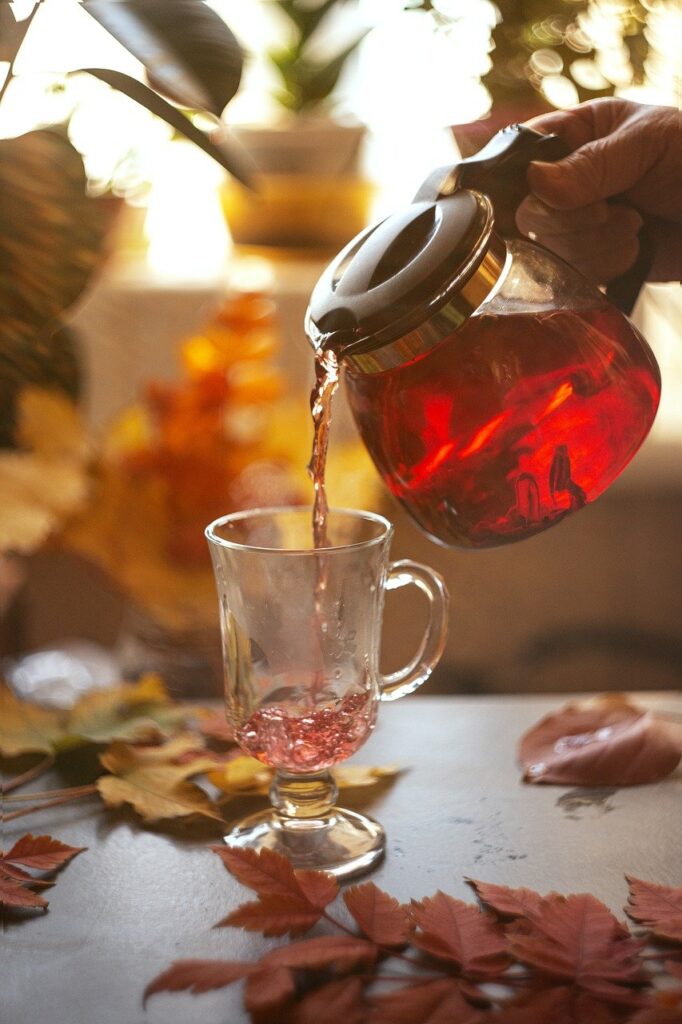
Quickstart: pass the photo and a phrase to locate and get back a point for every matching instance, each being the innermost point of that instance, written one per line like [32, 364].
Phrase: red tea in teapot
[510, 422]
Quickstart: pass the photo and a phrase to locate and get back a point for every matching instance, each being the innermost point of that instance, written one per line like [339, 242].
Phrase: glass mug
[301, 636]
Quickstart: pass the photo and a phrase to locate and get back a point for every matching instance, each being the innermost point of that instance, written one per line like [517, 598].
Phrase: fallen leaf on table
[41, 853]
[576, 939]
[436, 1002]
[349, 776]
[244, 775]
[214, 726]
[507, 902]
[563, 960]
[27, 728]
[338, 1002]
[601, 741]
[130, 711]
[560, 1005]
[380, 917]
[268, 990]
[289, 901]
[14, 893]
[343, 952]
[273, 916]
[659, 907]
[458, 932]
[36, 853]
[199, 976]
[148, 779]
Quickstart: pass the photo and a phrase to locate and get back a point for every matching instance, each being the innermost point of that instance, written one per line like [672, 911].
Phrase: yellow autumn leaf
[148, 780]
[27, 728]
[247, 776]
[350, 776]
[44, 480]
[129, 711]
[242, 775]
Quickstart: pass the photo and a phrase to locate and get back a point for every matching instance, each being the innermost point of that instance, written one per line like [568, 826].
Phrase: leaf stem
[28, 775]
[86, 791]
[47, 794]
[22, 36]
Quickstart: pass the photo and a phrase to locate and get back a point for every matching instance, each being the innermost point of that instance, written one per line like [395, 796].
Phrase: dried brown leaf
[603, 741]
[659, 907]
[148, 780]
[380, 916]
[505, 901]
[658, 1015]
[134, 712]
[214, 726]
[433, 1002]
[27, 728]
[456, 931]
[273, 915]
[269, 989]
[270, 874]
[344, 952]
[199, 976]
[14, 893]
[41, 853]
[338, 1002]
[577, 939]
[558, 1006]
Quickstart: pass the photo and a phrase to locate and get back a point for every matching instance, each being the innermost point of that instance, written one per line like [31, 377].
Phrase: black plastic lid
[396, 273]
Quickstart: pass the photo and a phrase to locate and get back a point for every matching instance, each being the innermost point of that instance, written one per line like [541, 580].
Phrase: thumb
[602, 168]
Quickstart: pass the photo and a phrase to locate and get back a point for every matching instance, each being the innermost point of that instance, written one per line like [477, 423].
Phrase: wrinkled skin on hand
[624, 170]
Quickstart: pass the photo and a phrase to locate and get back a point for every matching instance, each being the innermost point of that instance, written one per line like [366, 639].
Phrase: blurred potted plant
[310, 196]
[53, 239]
[543, 54]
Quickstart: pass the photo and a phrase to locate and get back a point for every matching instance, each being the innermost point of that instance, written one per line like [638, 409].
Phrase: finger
[601, 253]
[587, 121]
[598, 170]
[534, 216]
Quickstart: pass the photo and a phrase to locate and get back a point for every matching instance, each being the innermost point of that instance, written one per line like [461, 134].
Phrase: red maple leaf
[659, 907]
[338, 1002]
[433, 1002]
[505, 901]
[273, 915]
[380, 916]
[270, 874]
[14, 893]
[41, 853]
[269, 990]
[344, 952]
[459, 932]
[577, 939]
[199, 976]
[558, 1006]
[38, 853]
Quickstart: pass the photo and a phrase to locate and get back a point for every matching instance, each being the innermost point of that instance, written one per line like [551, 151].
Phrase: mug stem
[302, 797]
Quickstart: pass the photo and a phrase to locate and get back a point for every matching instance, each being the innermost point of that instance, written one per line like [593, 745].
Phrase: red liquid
[300, 739]
[510, 423]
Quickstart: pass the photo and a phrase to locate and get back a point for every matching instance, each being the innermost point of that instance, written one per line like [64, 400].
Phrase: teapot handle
[499, 171]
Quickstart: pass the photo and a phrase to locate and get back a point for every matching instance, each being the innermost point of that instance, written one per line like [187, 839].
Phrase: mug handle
[417, 671]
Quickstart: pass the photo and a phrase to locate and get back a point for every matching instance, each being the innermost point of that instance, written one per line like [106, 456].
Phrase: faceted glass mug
[301, 631]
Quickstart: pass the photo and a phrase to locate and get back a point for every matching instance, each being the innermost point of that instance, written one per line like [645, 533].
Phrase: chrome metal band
[450, 313]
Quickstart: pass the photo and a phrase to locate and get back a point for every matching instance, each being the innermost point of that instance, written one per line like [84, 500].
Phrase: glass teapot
[495, 388]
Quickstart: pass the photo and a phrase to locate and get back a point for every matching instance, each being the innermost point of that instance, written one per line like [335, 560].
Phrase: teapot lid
[393, 276]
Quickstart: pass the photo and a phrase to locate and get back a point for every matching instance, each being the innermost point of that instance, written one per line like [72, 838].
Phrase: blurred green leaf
[227, 153]
[189, 52]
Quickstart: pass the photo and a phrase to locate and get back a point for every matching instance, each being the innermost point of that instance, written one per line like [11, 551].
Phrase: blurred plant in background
[229, 434]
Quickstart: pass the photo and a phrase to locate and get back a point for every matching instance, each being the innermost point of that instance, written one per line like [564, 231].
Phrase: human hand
[628, 152]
